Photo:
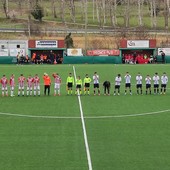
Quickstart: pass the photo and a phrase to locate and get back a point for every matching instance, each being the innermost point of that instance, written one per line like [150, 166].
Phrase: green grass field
[123, 132]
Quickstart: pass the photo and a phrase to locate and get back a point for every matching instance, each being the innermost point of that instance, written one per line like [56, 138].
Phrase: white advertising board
[74, 52]
[165, 50]
[14, 52]
[3, 52]
[46, 44]
[138, 44]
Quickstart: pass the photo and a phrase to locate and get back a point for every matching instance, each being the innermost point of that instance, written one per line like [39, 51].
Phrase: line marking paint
[86, 117]
[84, 127]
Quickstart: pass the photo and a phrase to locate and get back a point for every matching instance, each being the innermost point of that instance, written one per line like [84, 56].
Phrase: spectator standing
[163, 57]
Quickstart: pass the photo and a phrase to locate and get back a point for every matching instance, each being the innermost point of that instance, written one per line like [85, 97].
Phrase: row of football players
[33, 85]
[148, 81]
[127, 78]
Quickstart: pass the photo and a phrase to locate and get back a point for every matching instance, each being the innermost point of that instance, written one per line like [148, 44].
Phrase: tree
[5, 7]
[166, 12]
[140, 14]
[127, 13]
[38, 12]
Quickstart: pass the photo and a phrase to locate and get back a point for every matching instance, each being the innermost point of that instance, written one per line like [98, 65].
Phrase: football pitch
[129, 132]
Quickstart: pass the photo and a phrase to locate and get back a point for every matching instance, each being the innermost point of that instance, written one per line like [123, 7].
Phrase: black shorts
[87, 84]
[96, 85]
[70, 85]
[128, 85]
[139, 86]
[117, 86]
[78, 86]
[148, 86]
[163, 85]
[156, 85]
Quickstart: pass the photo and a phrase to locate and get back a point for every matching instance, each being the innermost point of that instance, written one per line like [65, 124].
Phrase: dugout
[138, 50]
[52, 51]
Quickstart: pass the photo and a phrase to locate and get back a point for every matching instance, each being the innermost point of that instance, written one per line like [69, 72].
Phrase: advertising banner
[46, 44]
[138, 44]
[165, 50]
[3, 52]
[14, 52]
[103, 52]
[74, 52]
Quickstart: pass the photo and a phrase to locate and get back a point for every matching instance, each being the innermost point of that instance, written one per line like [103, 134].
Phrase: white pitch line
[130, 115]
[40, 117]
[84, 128]
[85, 117]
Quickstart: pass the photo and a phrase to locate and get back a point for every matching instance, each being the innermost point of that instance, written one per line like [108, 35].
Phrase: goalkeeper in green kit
[87, 81]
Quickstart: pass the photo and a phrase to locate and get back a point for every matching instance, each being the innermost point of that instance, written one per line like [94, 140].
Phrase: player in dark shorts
[148, 84]
[106, 86]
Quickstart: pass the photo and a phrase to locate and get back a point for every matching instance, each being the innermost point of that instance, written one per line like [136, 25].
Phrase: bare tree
[53, 6]
[166, 12]
[6, 7]
[72, 11]
[127, 13]
[153, 12]
[140, 14]
[63, 10]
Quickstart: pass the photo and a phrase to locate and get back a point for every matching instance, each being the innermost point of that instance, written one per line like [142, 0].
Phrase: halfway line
[84, 127]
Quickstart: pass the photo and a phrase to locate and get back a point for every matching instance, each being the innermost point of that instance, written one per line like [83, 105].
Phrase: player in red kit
[12, 84]
[29, 85]
[4, 82]
[57, 83]
[21, 81]
[36, 82]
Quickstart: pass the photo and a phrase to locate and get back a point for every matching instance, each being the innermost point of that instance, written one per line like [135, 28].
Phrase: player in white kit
[36, 83]
[148, 84]
[96, 83]
[29, 85]
[164, 81]
[118, 80]
[12, 84]
[4, 82]
[156, 83]
[139, 83]
[128, 83]
[57, 83]
[21, 82]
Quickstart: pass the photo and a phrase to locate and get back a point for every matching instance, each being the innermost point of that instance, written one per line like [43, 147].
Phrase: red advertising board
[103, 52]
